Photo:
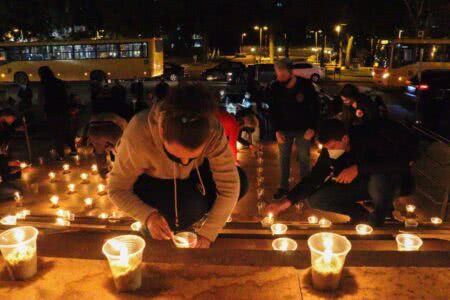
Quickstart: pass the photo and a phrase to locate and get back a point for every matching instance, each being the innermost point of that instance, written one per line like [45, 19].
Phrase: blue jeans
[303, 148]
[342, 198]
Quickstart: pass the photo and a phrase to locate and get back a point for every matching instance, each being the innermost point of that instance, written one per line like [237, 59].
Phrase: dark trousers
[192, 204]
[59, 128]
[342, 198]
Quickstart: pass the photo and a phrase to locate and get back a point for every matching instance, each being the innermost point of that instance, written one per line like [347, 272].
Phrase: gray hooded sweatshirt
[141, 151]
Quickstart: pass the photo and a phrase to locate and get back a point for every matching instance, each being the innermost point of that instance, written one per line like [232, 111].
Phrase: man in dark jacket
[53, 95]
[372, 161]
[294, 110]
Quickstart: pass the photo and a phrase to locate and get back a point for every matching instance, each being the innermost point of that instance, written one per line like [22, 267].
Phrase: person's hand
[309, 134]
[281, 139]
[158, 227]
[277, 207]
[202, 242]
[348, 175]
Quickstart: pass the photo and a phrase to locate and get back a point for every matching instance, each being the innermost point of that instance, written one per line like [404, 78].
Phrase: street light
[316, 32]
[243, 35]
[260, 29]
[338, 29]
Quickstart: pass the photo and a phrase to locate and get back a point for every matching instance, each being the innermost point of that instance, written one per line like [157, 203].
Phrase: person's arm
[233, 138]
[273, 106]
[226, 177]
[314, 105]
[126, 169]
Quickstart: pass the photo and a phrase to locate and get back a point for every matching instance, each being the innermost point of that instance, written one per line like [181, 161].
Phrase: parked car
[261, 73]
[173, 72]
[229, 71]
[309, 71]
[432, 94]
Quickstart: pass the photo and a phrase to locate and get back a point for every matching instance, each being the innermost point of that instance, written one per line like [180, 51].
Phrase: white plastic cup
[328, 253]
[185, 239]
[408, 242]
[284, 244]
[124, 254]
[18, 247]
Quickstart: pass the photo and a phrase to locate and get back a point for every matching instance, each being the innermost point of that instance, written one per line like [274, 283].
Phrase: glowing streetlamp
[260, 29]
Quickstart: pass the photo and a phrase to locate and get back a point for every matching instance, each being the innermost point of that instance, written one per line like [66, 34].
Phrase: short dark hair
[350, 91]
[285, 64]
[331, 130]
[187, 115]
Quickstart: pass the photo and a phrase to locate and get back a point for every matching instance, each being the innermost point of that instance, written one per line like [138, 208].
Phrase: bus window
[61, 52]
[84, 51]
[107, 51]
[133, 50]
[405, 55]
[436, 53]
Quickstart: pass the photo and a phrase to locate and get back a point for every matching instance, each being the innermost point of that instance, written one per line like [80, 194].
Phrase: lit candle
[23, 165]
[260, 192]
[260, 160]
[94, 169]
[54, 200]
[103, 216]
[18, 247]
[8, 220]
[124, 254]
[185, 239]
[284, 244]
[278, 229]
[267, 221]
[436, 220]
[313, 220]
[66, 168]
[62, 222]
[136, 226]
[23, 214]
[84, 177]
[320, 146]
[328, 253]
[260, 181]
[411, 223]
[408, 242]
[88, 202]
[19, 199]
[52, 176]
[259, 171]
[325, 223]
[77, 159]
[101, 189]
[71, 188]
[364, 229]
[410, 208]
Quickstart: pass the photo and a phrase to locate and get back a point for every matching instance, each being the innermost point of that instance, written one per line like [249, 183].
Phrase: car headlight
[386, 75]
[230, 74]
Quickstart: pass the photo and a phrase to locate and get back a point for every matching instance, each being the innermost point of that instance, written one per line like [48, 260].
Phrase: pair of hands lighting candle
[18, 247]
[124, 254]
[328, 253]
[185, 239]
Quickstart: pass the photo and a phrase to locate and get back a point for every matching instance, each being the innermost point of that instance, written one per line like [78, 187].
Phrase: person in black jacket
[53, 95]
[294, 110]
[372, 161]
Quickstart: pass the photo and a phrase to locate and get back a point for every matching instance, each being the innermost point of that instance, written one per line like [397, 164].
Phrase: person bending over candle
[174, 166]
[371, 161]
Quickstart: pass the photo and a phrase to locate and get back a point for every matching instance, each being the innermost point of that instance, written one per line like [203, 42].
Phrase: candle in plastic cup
[364, 229]
[410, 208]
[313, 220]
[259, 171]
[278, 229]
[101, 189]
[267, 221]
[436, 220]
[66, 168]
[52, 176]
[408, 242]
[84, 178]
[325, 223]
[71, 188]
[185, 239]
[8, 220]
[136, 226]
[88, 202]
[18, 247]
[124, 254]
[328, 253]
[54, 201]
[94, 169]
[284, 244]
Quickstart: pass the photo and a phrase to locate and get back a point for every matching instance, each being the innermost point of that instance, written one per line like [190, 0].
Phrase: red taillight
[408, 82]
[422, 87]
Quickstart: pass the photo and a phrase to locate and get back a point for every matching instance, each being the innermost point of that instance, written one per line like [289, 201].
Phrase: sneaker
[280, 194]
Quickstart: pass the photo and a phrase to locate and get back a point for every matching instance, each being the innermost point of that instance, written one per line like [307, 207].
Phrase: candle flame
[94, 168]
[328, 253]
[408, 242]
[88, 201]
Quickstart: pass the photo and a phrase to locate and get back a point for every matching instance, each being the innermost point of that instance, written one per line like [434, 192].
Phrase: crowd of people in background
[364, 155]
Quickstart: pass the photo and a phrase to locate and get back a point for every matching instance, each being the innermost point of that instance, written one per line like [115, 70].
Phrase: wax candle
[185, 239]
[18, 198]
[259, 171]
[54, 200]
[88, 202]
[101, 189]
[325, 223]
[436, 220]
[284, 244]
[410, 208]
[313, 220]
[94, 169]
[124, 254]
[260, 160]
[71, 188]
[267, 221]
[66, 168]
[18, 247]
[278, 229]
[260, 181]
[52, 176]
[8, 220]
[408, 242]
[260, 192]
[364, 229]
[84, 178]
[136, 226]
[328, 253]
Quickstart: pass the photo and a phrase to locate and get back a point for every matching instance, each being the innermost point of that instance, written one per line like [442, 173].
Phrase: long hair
[46, 74]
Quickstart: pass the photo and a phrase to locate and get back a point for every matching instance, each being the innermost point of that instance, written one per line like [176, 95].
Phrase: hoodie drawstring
[202, 186]
[175, 195]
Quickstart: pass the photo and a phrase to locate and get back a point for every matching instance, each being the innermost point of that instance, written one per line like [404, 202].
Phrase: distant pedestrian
[137, 89]
[161, 90]
[53, 95]
[25, 94]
